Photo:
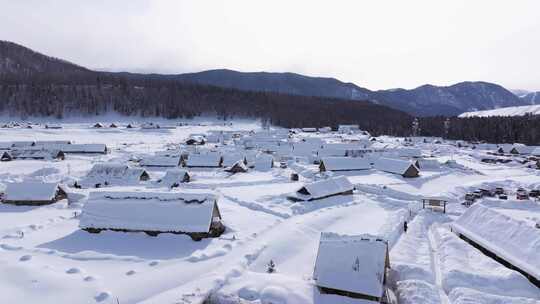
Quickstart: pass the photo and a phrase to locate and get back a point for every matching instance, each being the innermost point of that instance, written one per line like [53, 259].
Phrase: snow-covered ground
[508, 111]
[46, 258]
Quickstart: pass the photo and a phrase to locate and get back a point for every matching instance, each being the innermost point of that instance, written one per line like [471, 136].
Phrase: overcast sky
[375, 44]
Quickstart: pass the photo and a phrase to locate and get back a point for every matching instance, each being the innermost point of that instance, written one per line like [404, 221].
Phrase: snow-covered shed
[83, 148]
[344, 164]
[513, 241]
[238, 167]
[323, 189]
[505, 148]
[409, 152]
[53, 126]
[174, 177]
[396, 166]
[231, 158]
[33, 193]
[195, 139]
[348, 128]
[352, 265]
[52, 143]
[192, 212]
[22, 144]
[263, 162]
[204, 160]
[522, 150]
[37, 153]
[108, 174]
[5, 155]
[160, 161]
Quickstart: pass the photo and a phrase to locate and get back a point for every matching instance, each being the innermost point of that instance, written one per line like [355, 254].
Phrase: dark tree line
[514, 129]
[59, 94]
[95, 93]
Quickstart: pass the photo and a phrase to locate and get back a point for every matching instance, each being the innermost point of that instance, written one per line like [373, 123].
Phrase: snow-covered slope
[508, 111]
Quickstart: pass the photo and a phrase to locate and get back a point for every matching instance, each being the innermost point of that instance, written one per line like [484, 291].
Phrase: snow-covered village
[238, 213]
[269, 152]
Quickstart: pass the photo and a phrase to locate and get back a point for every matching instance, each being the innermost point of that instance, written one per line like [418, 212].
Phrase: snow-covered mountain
[532, 98]
[508, 111]
[18, 61]
[426, 100]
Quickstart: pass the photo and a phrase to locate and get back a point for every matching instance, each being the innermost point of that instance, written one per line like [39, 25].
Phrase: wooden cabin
[174, 177]
[353, 266]
[238, 167]
[344, 164]
[323, 189]
[192, 212]
[263, 162]
[397, 166]
[161, 161]
[37, 153]
[33, 193]
[5, 156]
[113, 174]
[84, 148]
[503, 235]
[204, 160]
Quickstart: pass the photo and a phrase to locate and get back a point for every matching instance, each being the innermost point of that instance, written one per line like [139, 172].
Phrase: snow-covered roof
[342, 146]
[52, 143]
[149, 211]
[409, 152]
[323, 188]
[173, 176]
[22, 143]
[345, 163]
[113, 174]
[524, 149]
[239, 166]
[160, 161]
[263, 162]
[83, 148]
[392, 165]
[5, 145]
[35, 153]
[230, 159]
[352, 263]
[512, 239]
[30, 191]
[211, 159]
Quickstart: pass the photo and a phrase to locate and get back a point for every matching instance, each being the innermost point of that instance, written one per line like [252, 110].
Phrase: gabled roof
[112, 173]
[524, 149]
[263, 162]
[35, 153]
[149, 211]
[160, 161]
[392, 165]
[211, 159]
[409, 152]
[351, 263]
[83, 148]
[323, 188]
[173, 176]
[30, 191]
[345, 163]
[514, 240]
[231, 158]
